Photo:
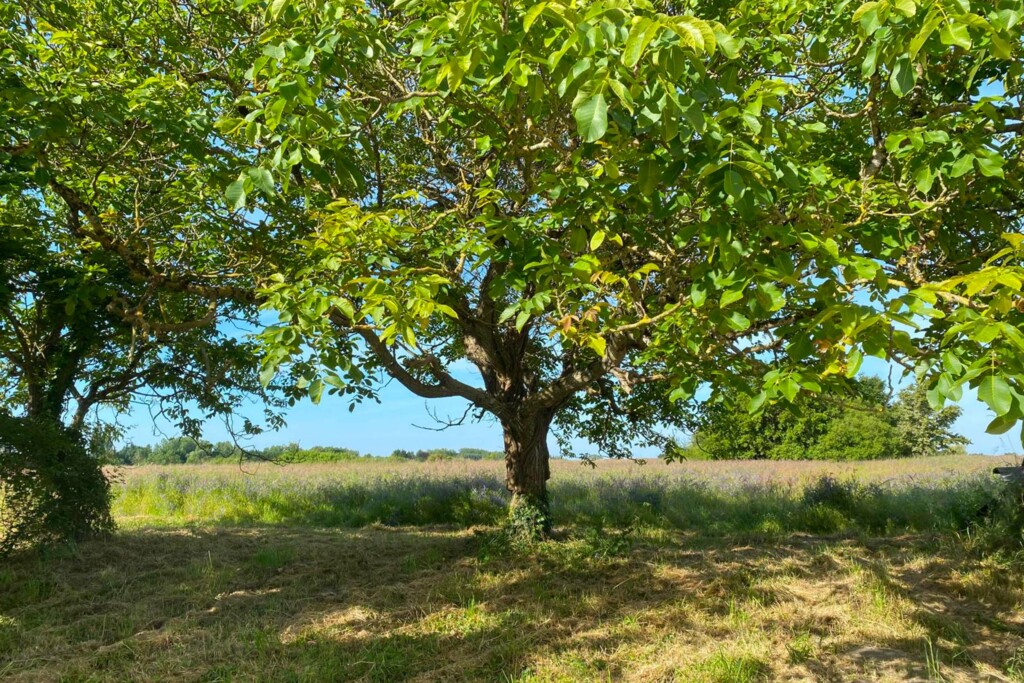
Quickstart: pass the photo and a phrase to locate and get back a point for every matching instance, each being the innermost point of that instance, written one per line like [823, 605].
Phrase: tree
[87, 323]
[922, 430]
[585, 198]
[865, 425]
[602, 206]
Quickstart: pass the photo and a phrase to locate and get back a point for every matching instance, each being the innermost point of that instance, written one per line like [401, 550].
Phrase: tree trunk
[526, 474]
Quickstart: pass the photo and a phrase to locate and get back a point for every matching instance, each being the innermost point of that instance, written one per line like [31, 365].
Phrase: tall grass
[712, 498]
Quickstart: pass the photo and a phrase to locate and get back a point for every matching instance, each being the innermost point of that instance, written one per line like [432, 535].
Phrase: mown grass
[631, 588]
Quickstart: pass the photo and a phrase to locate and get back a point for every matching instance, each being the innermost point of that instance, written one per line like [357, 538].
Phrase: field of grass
[384, 571]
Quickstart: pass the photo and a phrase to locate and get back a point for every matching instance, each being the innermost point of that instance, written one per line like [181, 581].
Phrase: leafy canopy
[748, 195]
[110, 204]
[602, 206]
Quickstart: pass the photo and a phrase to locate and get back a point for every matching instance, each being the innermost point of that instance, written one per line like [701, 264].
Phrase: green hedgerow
[51, 488]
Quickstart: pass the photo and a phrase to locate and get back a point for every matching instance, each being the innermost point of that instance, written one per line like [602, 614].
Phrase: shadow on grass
[426, 604]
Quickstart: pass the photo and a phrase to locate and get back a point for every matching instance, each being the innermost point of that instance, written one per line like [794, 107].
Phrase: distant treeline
[183, 450]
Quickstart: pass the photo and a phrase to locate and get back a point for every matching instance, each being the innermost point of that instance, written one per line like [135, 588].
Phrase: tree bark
[527, 471]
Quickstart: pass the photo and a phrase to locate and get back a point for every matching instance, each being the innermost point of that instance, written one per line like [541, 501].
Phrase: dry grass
[436, 605]
[219, 603]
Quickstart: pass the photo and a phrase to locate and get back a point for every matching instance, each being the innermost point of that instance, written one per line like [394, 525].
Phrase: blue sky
[381, 428]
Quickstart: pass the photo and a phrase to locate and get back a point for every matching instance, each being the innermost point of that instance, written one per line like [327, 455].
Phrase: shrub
[51, 487]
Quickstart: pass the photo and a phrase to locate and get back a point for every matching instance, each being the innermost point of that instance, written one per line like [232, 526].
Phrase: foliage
[864, 426]
[788, 211]
[999, 528]
[922, 430]
[51, 488]
[447, 454]
[89, 325]
[602, 206]
[68, 345]
[186, 450]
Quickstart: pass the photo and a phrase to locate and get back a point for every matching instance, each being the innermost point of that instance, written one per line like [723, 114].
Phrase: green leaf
[267, 374]
[924, 178]
[1001, 424]
[730, 296]
[262, 179]
[315, 391]
[235, 194]
[870, 63]
[597, 240]
[927, 29]
[995, 392]
[867, 16]
[854, 359]
[789, 388]
[733, 183]
[907, 8]
[649, 177]
[622, 93]
[990, 165]
[698, 294]
[592, 118]
[729, 46]
[522, 319]
[738, 321]
[1000, 47]
[962, 166]
[532, 14]
[756, 402]
[955, 34]
[903, 77]
[640, 36]
[276, 7]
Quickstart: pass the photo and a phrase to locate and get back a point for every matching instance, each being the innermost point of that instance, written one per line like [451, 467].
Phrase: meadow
[388, 571]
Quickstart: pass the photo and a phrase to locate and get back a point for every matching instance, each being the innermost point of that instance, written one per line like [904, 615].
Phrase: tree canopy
[89, 319]
[600, 206]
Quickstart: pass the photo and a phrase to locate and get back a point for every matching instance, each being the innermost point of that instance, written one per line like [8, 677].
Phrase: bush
[830, 492]
[51, 488]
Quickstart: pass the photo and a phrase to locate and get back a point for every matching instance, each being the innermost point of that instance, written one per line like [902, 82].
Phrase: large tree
[601, 206]
[104, 143]
[604, 205]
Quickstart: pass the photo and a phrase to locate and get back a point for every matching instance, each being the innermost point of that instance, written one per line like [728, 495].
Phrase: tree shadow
[389, 604]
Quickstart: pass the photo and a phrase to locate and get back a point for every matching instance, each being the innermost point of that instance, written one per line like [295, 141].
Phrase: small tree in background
[865, 425]
[921, 429]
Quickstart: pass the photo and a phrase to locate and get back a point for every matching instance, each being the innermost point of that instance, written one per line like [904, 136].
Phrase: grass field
[384, 571]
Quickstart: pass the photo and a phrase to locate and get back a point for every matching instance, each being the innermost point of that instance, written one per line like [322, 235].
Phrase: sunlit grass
[769, 499]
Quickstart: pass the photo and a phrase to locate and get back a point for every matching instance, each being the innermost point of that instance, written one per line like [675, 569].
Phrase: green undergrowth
[822, 505]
